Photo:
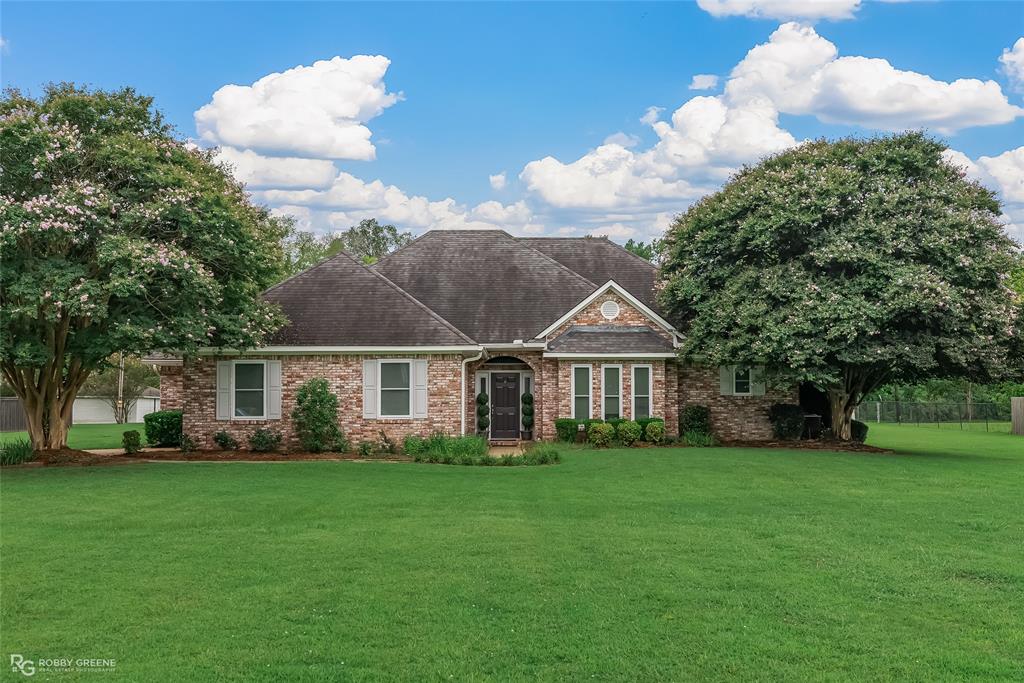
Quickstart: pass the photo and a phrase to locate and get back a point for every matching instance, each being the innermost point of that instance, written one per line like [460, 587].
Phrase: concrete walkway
[120, 451]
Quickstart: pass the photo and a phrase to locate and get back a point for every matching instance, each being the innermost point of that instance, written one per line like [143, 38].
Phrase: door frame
[523, 376]
[517, 405]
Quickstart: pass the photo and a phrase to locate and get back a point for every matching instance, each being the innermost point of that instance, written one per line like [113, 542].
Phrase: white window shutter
[273, 390]
[757, 381]
[725, 380]
[419, 388]
[223, 390]
[369, 389]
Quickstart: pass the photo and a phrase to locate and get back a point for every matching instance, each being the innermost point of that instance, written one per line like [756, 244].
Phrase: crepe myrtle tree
[117, 237]
[849, 264]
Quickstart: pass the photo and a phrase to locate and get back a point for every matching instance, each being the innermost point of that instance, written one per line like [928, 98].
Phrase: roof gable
[342, 302]
[490, 285]
[612, 288]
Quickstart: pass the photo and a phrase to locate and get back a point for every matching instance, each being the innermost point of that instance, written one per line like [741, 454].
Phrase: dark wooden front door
[505, 405]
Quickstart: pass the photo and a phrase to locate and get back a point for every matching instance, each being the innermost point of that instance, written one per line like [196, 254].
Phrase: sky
[547, 119]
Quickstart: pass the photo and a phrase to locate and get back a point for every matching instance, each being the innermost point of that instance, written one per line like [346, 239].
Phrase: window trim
[617, 366]
[380, 387]
[575, 395]
[650, 389]
[750, 382]
[234, 364]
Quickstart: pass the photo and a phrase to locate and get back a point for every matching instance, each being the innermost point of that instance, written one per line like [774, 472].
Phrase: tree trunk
[842, 413]
[48, 396]
[844, 397]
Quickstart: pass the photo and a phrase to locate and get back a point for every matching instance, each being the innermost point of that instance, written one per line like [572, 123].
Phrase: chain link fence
[965, 416]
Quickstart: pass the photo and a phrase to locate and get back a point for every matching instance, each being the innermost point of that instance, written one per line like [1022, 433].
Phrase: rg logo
[25, 666]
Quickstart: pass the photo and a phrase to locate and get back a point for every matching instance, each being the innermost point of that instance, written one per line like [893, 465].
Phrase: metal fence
[985, 416]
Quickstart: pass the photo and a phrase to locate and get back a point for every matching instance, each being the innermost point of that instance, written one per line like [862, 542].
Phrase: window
[483, 384]
[395, 389]
[741, 381]
[581, 391]
[249, 389]
[641, 391]
[611, 391]
[527, 382]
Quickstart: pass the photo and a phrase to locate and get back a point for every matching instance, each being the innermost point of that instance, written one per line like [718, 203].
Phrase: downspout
[462, 409]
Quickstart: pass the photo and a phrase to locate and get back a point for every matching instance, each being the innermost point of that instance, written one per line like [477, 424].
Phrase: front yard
[668, 564]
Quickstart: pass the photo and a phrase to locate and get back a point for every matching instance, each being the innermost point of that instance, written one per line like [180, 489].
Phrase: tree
[304, 249]
[849, 264]
[106, 383]
[651, 252]
[117, 237]
[369, 240]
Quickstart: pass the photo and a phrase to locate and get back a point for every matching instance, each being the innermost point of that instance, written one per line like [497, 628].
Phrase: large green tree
[367, 241]
[850, 264]
[117, 237]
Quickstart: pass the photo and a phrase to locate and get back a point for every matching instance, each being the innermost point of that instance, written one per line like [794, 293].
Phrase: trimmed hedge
[265, 440]
[600, 434]
[629, 432]
[787, 420]
[131, 442]
[695, 418]
[858, 431]
[163, 428]
[654, 431]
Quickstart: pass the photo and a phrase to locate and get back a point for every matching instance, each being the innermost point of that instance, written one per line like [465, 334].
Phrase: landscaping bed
[810, 444]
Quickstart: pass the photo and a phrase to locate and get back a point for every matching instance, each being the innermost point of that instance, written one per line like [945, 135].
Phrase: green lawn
[88, 435]
[681, 564]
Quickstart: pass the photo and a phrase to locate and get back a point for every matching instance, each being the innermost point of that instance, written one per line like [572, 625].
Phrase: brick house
[409, 342]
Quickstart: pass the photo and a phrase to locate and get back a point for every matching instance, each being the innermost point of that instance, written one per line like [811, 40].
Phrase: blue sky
[489, 88]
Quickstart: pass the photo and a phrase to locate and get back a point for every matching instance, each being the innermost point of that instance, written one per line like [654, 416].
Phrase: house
[408, 343]
[99, 409]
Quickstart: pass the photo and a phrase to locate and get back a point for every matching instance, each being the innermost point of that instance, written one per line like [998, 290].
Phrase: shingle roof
[610, 339]
[490, 285]
[341, 302]
[600, 260]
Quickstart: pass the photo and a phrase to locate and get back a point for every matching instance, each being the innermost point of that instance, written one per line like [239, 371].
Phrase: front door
[505, 405]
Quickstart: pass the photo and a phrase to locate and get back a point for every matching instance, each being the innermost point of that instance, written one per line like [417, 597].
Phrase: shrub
[17, 452]
[629, 432]
[225, 441]
[163, 428]
[131, 441]
[695, 418]
[858, 431]
[787, 420]
[367, 448]
[387, 444]
[414, 446]
[527, 411]
[542, 454]
[644, 421]
[565, 428]
[699, 439]
[601, 434]
[188, 444]
[265, 440]
[483, 412]
[316, 417]
[615, 422]
[654, 432]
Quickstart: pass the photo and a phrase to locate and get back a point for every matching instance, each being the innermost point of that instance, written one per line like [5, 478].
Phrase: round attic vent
[610, 310]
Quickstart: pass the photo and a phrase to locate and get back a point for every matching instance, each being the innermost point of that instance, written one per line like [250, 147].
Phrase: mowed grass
[88, 435]
[650, 564]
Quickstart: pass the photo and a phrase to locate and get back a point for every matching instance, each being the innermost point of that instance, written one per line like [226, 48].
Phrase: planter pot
[526, 435]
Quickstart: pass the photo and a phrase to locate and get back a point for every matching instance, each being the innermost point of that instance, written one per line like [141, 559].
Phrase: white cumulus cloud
[622, 139]
[258, 171]
[1012, 61]
[782, 9]
[310, 111]
[498, 180]
[704, 82]
[1003, 173]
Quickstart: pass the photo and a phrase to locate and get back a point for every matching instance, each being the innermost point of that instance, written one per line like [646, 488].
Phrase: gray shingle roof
[490, 285]
[600, 260]
[610, 339]
[341, 302]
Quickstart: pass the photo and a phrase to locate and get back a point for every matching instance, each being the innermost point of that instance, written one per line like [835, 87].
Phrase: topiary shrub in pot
[483, 412]
[527, 408]
[787, 420]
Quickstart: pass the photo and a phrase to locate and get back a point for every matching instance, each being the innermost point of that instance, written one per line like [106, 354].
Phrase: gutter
[462, 402]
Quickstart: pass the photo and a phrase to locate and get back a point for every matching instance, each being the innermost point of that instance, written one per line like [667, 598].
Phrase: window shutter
[369, 389]
[223, 390]
[725, 380]
[419, 388]
[757, 382]
[273, 390]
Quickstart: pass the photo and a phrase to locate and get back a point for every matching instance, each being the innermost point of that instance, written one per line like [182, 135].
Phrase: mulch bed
[70, 457]
[818, 445]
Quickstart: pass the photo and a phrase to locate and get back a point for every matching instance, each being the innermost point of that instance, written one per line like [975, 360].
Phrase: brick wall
[345, 375]
[732, 417]
[628, 316]
[171, 386]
